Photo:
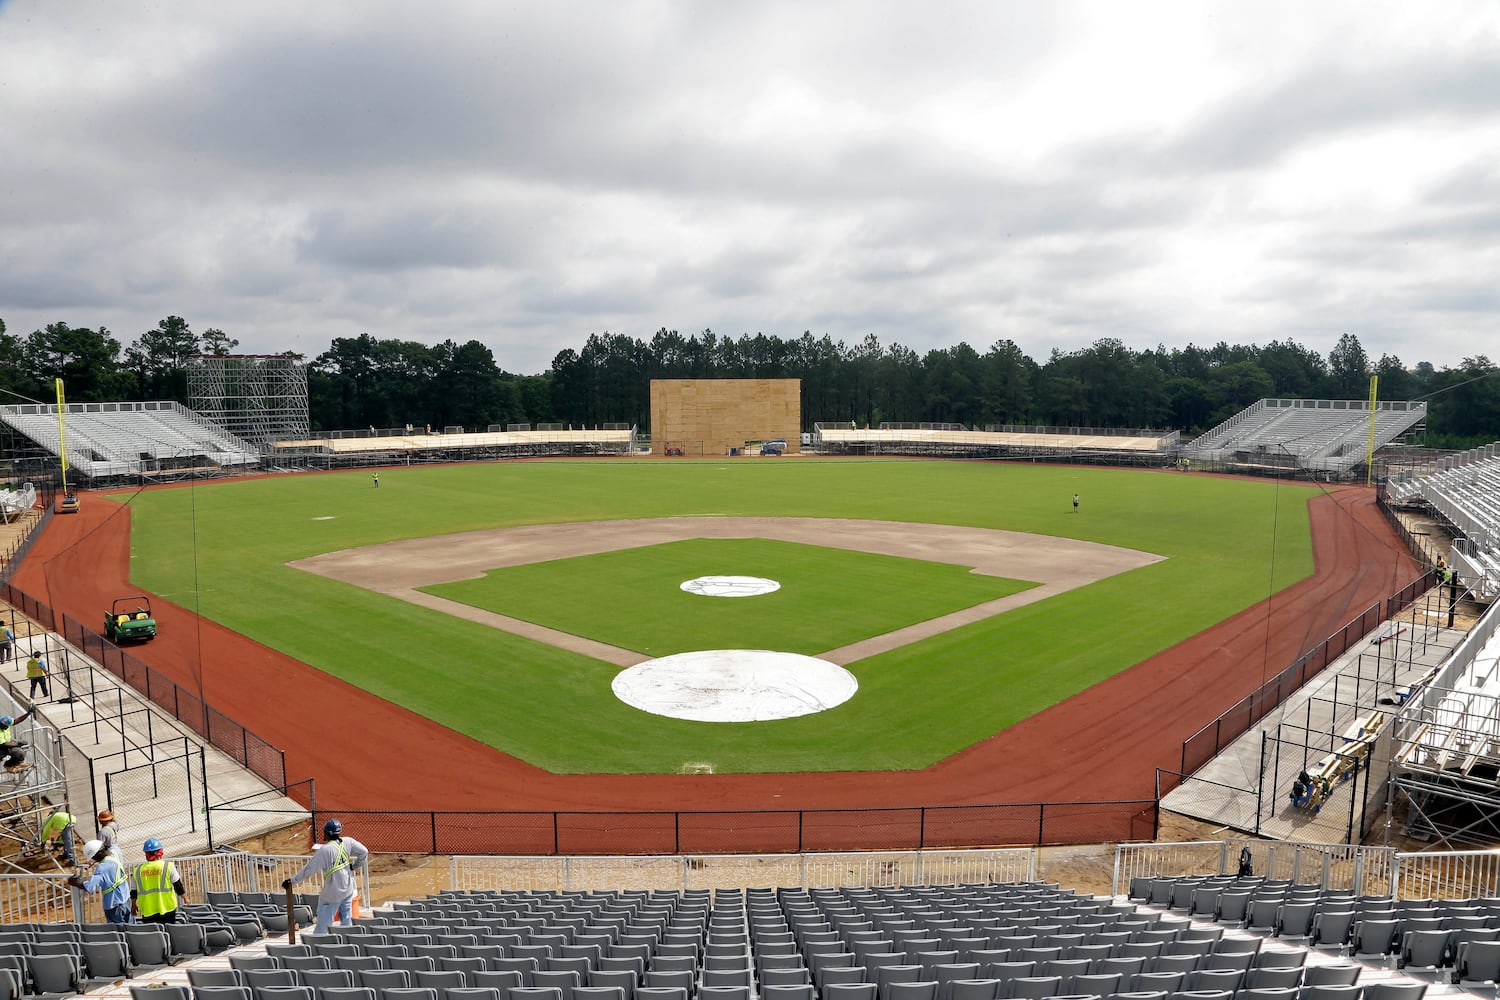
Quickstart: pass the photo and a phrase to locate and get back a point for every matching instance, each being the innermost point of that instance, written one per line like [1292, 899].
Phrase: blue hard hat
[5, 721]
[333, 828]
[152, 844]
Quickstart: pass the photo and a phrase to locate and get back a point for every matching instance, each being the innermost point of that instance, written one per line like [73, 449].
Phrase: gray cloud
[928, 174]
[1322, 104]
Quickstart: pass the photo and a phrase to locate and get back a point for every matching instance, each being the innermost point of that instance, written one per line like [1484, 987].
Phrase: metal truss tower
[259, 397]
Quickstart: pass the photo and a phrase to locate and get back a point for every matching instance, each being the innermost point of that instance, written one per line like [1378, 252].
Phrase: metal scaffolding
[1445, 774]
[259, 397]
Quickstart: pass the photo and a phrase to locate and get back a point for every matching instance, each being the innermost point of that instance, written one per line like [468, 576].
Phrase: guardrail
[1332, 866]
[229, 871]
[1446, 874]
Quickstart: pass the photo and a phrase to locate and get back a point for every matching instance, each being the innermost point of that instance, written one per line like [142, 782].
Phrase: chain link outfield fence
[1204, 745]
[236, 741]
[789, 831]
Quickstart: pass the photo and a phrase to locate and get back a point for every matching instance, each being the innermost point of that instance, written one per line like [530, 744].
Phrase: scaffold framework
[259, 397]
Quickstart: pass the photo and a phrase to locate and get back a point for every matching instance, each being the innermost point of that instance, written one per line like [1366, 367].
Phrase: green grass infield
[221, 549]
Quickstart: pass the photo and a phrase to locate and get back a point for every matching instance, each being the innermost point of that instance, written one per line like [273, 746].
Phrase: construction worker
[59, 827]
[36, 673]
[109, 832]
[158, 890]
[109, 880]
[12, 757]
[337, 859]
[1448, 577]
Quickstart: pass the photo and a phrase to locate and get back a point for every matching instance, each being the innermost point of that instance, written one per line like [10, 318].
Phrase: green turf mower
[130, 621]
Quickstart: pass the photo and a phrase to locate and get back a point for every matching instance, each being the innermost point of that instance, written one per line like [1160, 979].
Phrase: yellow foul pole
[1370, 450]
[62, 436]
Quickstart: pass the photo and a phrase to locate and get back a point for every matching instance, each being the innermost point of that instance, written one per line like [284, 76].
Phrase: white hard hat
[92, 848]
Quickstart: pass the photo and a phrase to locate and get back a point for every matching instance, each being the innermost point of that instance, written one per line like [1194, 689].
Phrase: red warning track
[1101, 745]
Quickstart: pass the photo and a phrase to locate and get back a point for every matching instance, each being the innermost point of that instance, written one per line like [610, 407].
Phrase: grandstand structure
[1464, 491]
[15, 503]
[114, 442]
[403, 445]
[1332, 436]
[1445, 767]
[958, 441]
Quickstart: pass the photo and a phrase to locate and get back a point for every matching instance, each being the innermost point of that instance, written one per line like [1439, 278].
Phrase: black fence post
[93, 787]
[1260, 784]
[432, 816]
[208, 812]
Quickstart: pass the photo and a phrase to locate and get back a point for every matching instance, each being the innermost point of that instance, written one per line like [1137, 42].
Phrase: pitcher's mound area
[734, 685]
[730, 586]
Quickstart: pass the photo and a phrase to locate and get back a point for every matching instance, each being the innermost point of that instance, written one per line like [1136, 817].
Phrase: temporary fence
[235, 740]
[789, 831]
[1332, 866]
[1417, 545]
[268, 802]
[1357, 798]
[1206, 743]
[747, 871]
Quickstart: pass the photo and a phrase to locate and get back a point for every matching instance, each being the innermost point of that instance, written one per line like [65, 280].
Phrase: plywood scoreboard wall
[709, 416]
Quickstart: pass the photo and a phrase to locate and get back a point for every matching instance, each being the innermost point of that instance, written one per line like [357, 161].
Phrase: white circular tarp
[734, 685]
[730, 586]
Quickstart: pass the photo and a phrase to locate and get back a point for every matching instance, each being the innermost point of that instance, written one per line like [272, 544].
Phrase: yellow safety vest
[56, 823]
[117, 882]
[154, 893]
[343, 860]
[34, 668]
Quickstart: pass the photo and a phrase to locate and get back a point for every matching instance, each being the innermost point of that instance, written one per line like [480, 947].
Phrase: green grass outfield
[221, 548]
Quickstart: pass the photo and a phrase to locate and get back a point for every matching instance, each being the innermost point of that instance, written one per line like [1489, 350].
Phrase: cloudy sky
[930, 173]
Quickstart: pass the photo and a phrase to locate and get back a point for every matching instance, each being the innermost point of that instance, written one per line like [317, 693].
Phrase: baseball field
[234, 551]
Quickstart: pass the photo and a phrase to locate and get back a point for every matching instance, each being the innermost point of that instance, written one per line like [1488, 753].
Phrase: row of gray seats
[1428, 937]
[1038, 989]
[67, 958]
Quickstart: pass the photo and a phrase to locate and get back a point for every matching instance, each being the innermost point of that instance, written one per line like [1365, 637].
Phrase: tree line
[364, 381]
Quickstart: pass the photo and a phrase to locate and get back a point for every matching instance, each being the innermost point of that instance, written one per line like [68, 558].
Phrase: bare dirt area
[392, 876]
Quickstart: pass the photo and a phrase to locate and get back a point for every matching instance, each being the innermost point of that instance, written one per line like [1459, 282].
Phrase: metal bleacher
[130, 438]
[1328, 435]
[1465, 490]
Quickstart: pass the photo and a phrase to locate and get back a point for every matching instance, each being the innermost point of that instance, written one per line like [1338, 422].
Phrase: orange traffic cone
[354, 906]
